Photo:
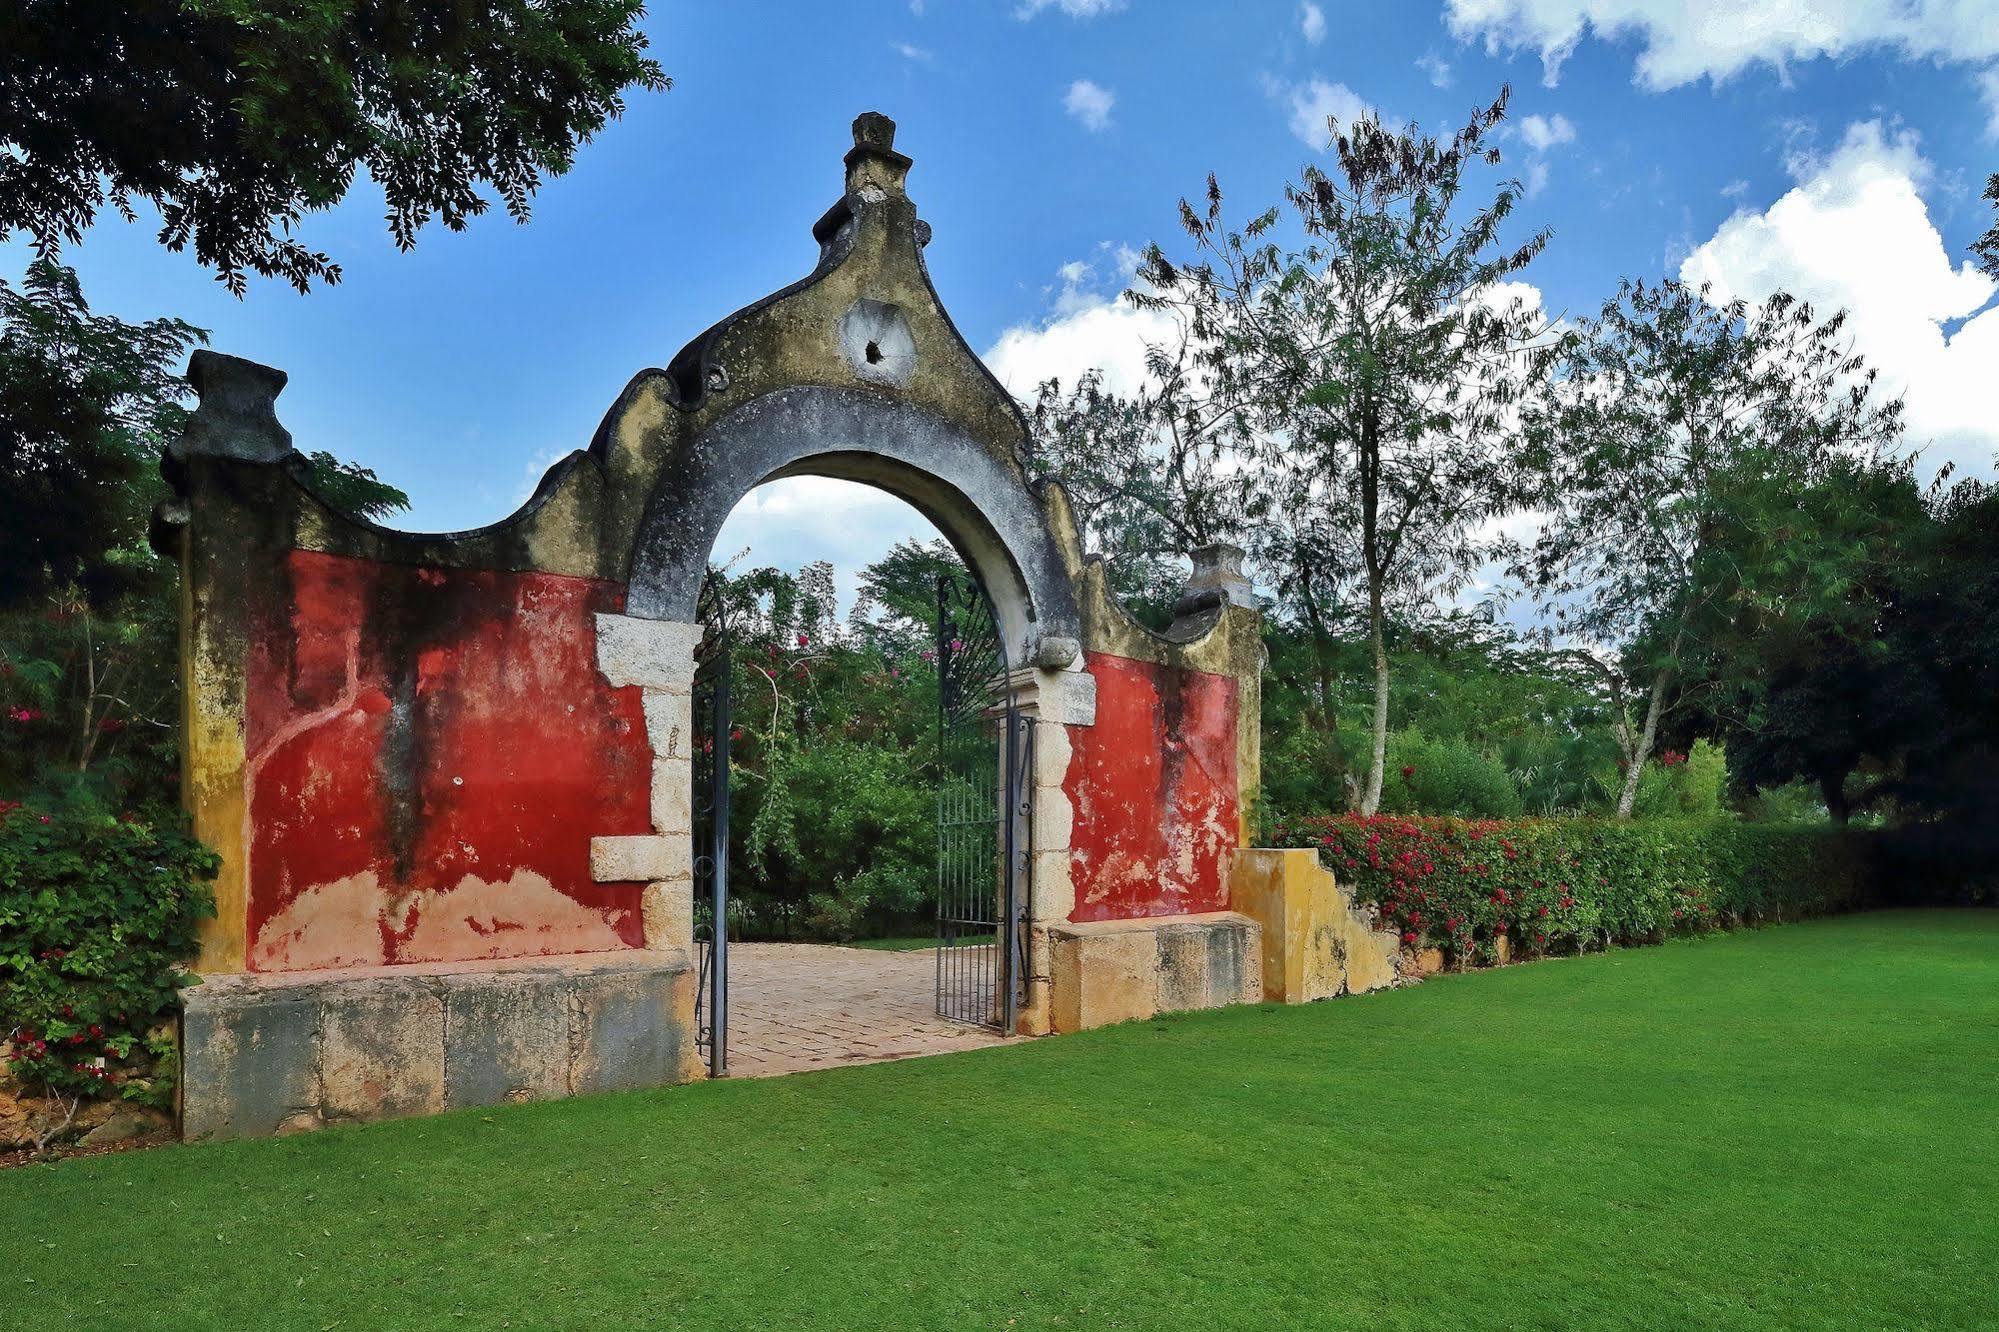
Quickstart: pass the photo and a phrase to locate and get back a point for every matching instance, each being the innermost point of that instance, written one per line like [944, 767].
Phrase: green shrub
[1446, 776]
[1688, 785]
[1569, 884]
[858, 850]
[97, 914]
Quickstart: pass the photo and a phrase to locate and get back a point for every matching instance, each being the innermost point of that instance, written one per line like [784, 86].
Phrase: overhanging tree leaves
[87, 612]
[236, 119]
[1672, 433]
[1375, 360]
[1986, 248]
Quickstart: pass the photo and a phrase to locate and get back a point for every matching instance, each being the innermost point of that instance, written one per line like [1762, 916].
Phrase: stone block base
[1118, 970]
[1316, 944]
[277, 1053]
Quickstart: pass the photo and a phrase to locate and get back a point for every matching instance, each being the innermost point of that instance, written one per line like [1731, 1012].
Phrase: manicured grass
[1791, 1127]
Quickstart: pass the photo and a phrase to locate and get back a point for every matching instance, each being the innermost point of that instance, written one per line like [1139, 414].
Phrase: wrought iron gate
[983, 803]
[711, 832]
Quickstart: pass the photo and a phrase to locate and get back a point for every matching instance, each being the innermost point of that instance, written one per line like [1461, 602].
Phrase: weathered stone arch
[983, 507]
[449, 774]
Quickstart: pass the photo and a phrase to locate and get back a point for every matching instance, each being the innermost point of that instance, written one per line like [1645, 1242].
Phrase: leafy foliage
[97, 914]
[88, 621]
[1373, 363]
[1674, 436]
[1986, 248]
[235, 120]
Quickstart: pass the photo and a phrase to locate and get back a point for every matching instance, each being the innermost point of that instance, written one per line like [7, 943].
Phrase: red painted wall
[1163, 740]
[430, 752]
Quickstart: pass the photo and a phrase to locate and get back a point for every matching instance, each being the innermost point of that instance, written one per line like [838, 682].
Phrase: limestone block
[631, 1029]
[1054, 819]
[1066, 697]
[248, 1059]
[669, 723]
[658, 858]
[381, 1049]
[1116, 971]
[658, 654]
[673, 796]
[1052, 751]
[1205, 966]
[1100, 978]
[509, 1038]
[668, 912]
[1053, 888]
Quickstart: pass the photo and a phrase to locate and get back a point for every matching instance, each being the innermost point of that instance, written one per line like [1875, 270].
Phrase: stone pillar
[658, 657]
[1057, 699]
[221, 469]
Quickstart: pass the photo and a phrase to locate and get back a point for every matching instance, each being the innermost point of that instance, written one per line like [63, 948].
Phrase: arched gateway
[451, 776]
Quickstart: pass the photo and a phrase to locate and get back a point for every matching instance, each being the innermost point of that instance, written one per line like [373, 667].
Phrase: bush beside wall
[1565, 885]
[97, 916]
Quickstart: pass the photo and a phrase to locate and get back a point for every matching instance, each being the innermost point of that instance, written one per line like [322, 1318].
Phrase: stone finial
[874, 130]
[1217, 580]
[873, 165]
[238, 413]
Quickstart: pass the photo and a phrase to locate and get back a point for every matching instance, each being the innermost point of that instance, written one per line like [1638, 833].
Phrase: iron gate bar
[712, 712]
[982, 840]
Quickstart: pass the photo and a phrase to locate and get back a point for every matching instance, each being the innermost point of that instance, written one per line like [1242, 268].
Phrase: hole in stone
[874, 353]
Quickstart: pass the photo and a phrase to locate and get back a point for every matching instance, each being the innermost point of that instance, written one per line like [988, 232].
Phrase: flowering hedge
[1563, 885]
[96, 915]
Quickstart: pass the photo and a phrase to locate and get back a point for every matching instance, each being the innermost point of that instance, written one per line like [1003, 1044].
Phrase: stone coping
[1088, 929]
[231, 984]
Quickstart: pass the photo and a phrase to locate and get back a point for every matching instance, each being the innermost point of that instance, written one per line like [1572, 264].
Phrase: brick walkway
[794, 1007]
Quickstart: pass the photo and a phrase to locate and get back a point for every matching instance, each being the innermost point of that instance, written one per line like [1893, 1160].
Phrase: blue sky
[1835, 147]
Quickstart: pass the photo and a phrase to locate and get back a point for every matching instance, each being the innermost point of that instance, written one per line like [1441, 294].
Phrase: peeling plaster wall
[428, 754]
[1155, 789]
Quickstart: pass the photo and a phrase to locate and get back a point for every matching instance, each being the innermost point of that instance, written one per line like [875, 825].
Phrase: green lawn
[1792, 1127]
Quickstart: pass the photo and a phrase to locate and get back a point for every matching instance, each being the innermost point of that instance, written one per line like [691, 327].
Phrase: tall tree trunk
[1635, 760]
[1832, 789]
[1377, 578]
[1370, 800]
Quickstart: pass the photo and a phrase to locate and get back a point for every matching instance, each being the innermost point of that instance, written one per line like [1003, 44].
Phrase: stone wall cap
[239, 986]
[1091, 929]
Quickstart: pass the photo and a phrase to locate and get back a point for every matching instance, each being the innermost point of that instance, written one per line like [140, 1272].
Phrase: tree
[1986, 247]
[1149, 476]
[1373, 362]
[1672, 435]
[1804, 674]
[87, 612]
[236, 120]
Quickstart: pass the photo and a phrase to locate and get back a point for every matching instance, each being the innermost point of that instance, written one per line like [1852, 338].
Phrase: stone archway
[449, 774]
[983, 508]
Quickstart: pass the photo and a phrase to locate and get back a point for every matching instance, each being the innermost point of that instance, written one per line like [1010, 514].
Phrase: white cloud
[1073, 8]
[792, 522]
[1685, 40]
[1436, 67]
[911, 52]
[1543, 132]
[1855, 234]
[1313, 103]
[1988, 88]
[1312, 22]
[1091, 327]
[1090, 105]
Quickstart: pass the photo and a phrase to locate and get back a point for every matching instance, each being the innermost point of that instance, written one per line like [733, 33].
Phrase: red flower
[1409, 936]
